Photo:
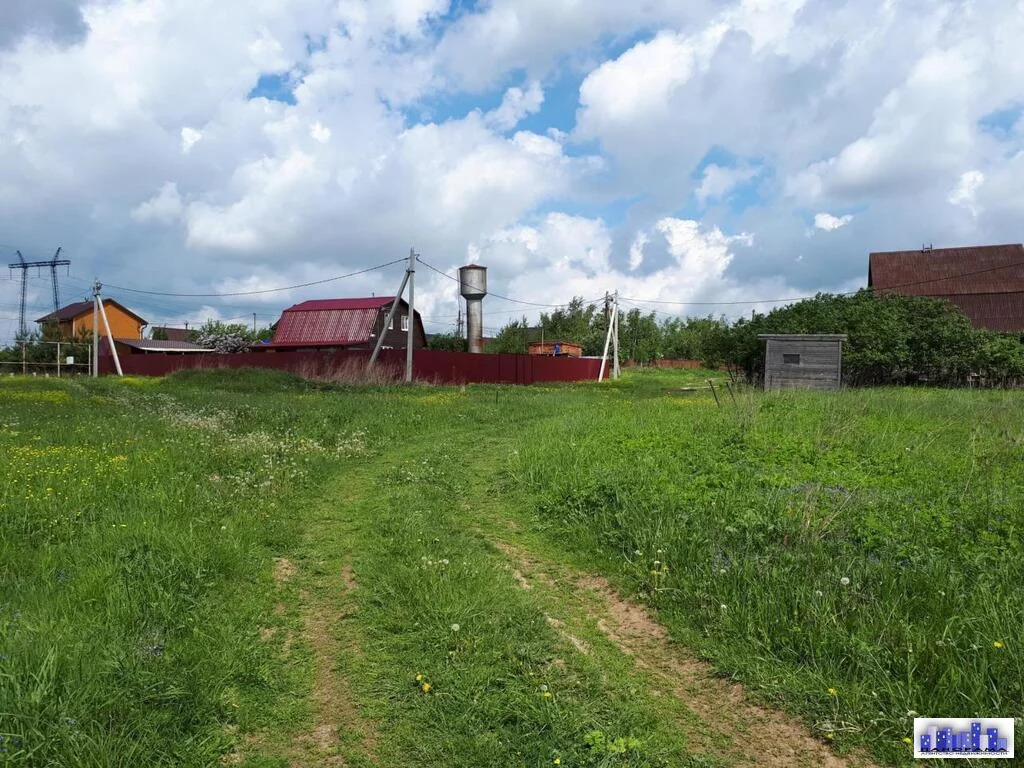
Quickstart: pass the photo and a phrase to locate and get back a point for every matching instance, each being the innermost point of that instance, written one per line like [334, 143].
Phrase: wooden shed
[555, 349]
[803, 360]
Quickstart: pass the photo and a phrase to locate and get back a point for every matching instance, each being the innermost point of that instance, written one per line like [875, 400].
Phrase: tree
[511, 339]
[446, 341]
[227, 338]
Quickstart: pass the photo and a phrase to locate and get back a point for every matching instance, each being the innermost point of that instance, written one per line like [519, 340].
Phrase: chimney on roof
[926, 248]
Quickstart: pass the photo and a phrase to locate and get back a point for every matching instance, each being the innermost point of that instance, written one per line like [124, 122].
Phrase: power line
[254, 293]
[499, 296]
[805, 298]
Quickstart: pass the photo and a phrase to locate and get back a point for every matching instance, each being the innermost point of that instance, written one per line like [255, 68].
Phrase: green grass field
[243, 568]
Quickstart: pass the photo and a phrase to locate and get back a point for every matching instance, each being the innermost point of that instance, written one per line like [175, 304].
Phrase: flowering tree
[228, 338]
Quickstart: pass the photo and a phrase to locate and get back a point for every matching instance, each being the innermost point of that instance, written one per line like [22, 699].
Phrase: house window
[791, 359]
[405, 322]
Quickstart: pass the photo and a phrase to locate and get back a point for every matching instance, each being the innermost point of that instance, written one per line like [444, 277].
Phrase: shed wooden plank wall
[820, 365]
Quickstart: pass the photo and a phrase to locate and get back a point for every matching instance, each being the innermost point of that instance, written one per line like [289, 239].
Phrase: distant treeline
[892, 339]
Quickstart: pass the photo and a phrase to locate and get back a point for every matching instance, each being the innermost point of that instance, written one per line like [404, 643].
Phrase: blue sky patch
[275, 87]
[1001, 122]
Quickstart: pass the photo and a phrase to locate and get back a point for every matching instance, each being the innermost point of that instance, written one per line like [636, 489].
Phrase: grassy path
[434, 625]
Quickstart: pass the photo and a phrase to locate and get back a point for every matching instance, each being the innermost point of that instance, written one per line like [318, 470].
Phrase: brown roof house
[345, 323]
[75, 320]
[166, 332]
[985, 281]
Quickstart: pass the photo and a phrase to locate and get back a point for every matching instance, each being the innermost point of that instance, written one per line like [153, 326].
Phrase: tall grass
[856, 556]
[134, 538]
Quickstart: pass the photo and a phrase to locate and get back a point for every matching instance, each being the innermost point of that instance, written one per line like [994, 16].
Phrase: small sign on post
[69, 360]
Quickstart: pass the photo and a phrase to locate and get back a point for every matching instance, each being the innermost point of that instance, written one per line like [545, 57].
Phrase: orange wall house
[75, 320]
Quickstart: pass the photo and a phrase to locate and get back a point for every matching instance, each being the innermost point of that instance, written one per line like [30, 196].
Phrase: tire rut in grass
[337, 722]
[733, 728]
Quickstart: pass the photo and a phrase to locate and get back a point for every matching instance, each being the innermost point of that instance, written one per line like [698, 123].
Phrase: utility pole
[98, 305]
[615, 336]
[391, 314]
[412, 316]
[613, 320]
[254, 323]
[96, 328]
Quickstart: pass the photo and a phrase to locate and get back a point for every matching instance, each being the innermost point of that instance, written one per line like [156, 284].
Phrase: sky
[706, 157]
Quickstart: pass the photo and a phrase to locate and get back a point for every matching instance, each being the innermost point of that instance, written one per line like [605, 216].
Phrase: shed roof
[949, 271]
[802, 336]
[330, 322]
[162, 345]
[79, 308]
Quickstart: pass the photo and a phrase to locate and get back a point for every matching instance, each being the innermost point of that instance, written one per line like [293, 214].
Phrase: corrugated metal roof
[949, 271]
[371, 302]
[330, 322]
[986, 282]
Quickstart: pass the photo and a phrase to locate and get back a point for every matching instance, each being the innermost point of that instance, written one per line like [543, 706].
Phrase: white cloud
[717, 181]
[516, 105]
[966, 190]
[872, 106]
[189, 138]
[830, 223]
[320, 132]
[165, 207]
[641, 80]
[636, 250]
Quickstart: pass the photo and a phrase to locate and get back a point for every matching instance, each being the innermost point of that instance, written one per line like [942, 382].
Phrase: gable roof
[79, 308]
[331, 322]
[949, 271]
[371, 302]
[986, 282]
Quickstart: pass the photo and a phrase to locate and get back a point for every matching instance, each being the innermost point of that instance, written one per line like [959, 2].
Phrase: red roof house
[345, 323]
[986, 282]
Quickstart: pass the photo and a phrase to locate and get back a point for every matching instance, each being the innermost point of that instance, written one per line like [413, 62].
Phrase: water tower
[473, 287]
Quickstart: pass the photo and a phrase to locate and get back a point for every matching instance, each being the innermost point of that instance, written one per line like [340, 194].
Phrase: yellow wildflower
[419, 678]
[998, 643]
[833, 692]
[907, 740]
[425, 687]
[547, 694]
[557, 761]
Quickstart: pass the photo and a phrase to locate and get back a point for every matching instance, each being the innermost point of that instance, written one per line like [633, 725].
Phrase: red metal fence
[428, 365]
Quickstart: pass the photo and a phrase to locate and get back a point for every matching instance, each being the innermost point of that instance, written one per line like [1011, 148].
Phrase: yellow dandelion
[830, 736]
[833, 692]
[998, 644]
[907, 740]
[425, 687]
[419, 678]
[557, 761]
[547, 694]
